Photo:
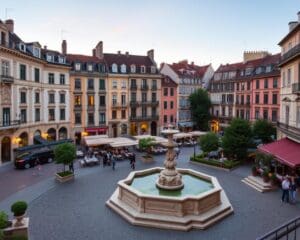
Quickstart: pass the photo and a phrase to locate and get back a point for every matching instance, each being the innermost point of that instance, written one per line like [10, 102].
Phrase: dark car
[29, 159]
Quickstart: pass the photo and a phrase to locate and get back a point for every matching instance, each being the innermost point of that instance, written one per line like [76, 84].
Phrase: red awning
[96, 130]
[285, 150]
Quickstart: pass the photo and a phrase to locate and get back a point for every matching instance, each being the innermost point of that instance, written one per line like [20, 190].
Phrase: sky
[203, 31]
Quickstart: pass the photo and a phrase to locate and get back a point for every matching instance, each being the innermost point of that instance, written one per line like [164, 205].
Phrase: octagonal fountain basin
[200, 203]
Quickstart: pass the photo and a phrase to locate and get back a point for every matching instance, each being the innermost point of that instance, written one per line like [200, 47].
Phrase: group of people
[110, 157]
[289, 187]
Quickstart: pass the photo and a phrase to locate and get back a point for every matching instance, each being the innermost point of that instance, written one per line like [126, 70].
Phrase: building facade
[35, 94]
[168, 110]
[89, 93]
[289, 123]
[189, 78]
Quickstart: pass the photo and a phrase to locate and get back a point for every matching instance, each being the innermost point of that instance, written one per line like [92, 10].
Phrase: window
[36, 52]
[153, 69]
[5, 68]
[77, 66]
[133, 84]
[37, 75]
[77, 84]
[298, 117]
[114, 99]
[248, 71]
[223, 111]
[144, 97]
[248, 99]
[257, 113]
[62, 79]
[274, 115]
[133, 97]
[90, 118]
[102, 118]
[144, 84]
[102, 100]
[165, 118]
[90, 84]
[102, 84]
[115, 84]
[132, 68]
[143, 69]
[171, 91]
[51, 97]
[123, 84]
[283, 78]
[171, 104]
[23, 98]
[265, 114]
[237, 86]
[51, 115]
[123, 99]
[154, 97]
[274, 98]
[37, 115]
[275, 82]
[90, 67]
[114, 114]
[165, 91]
[22, 72]
[51, 78]
[153, 111]
[144, 111]
[50, 58]
[154, 84]
[266, 96]
[165, 104]
[77, 118]
[133, 112]
[172, 119]
[287, 115]
[257, 84]
[257, 98]
[62, 98]
[230, 112]
[123, 68]
[247, 114]
[23, 115]
[62, 114]
[242, 99]
[91, 100]
[123, 114]
[114, 68]
[37, 97]
[266, 83]
[268, 68]
[289, 77]
[77, 100]
[61, 59]
[248, 85]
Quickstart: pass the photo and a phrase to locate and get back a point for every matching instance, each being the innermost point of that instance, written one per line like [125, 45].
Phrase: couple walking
[289, 189]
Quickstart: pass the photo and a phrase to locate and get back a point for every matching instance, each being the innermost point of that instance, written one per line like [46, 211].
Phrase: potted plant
[145, 144]
[65, 154]
[254, 171]
[19, 208]
[266, 177]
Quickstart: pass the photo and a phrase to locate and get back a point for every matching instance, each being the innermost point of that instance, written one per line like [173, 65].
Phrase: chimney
[150, 54]
[127, 54]
[292, 25]
[119, 52]
[94, 52]
[45, 47]
[64, 47]
[298, 16]
[10, 25]
[99, 50]
[192, 63]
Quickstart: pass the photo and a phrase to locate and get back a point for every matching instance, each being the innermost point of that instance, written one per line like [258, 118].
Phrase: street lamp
[194, 150]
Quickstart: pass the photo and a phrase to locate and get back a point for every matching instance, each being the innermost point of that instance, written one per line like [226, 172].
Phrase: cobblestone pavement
[77, 210]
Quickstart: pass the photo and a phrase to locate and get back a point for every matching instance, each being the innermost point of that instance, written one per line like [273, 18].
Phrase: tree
[237, 139]
[200, 105]
[145, 144]
[264, 130]
[65, 154]
[209, 142]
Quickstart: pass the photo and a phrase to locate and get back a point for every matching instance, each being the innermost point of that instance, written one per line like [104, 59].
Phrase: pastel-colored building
[168, 99]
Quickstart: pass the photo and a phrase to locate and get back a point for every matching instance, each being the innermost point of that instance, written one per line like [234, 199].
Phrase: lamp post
[194, 151]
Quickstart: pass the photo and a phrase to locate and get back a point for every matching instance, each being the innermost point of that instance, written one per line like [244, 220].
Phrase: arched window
[132, 68]
[114, 68]
[123, 68]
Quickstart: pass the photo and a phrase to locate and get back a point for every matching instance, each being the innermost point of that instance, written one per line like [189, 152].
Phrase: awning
[157, 139]
[98, 140]
[197, 133]
[96, 130]
[285, 151]
[182, 135]
[186, 124]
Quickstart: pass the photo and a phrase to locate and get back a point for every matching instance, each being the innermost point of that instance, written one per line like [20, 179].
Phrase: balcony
[102, 90]
[154, 88]
[119, 105]
[144, 118]
[185, 107]
[290, 55]
[152, 103]
[91, 107]
[102, 107]
[10, 125]
[290, 131]
[296, 88]
[144, 87]
[77, 107]
[6, 79]
[134, 103]
[133, 87]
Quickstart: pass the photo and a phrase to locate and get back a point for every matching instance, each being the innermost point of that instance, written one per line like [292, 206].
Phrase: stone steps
[258, 184]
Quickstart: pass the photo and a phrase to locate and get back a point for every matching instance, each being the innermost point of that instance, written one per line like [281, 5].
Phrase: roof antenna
[6, 12]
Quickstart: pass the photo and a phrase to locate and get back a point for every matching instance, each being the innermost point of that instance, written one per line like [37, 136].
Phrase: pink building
[168, 104]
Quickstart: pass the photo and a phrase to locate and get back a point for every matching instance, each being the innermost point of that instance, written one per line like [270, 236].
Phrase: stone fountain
[170, 198]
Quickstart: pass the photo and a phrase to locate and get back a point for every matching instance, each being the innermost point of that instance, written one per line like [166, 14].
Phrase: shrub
[228, 164]
[145, 144]
[65, 154]
[65, 173]
[3, 220]
[19, 208]
[19, 238]
[264, 130]
[209, 142]
[266, 173]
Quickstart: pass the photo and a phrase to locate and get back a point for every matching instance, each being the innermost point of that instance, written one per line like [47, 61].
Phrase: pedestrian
[293, 189]
[177, 152]
[132, 161]
[113, 159]
[39, 167]
[71, 167]
[285, 189]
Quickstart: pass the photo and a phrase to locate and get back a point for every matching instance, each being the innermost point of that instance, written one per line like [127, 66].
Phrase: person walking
[132, 161]
[285, 185]
[293, 189]
[71, 167]
[113, 161]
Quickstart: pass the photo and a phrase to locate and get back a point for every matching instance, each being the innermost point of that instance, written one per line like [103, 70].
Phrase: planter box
[65, 178]
[13, 231]
[147, 159]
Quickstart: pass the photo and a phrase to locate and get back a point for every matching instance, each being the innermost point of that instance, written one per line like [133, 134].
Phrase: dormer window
[114, 68]
[37, 52]
[248, 71]
[61, 59]
[22, 47]
[50, 58]
[153, 69]
[268, 68]
[123, 68]
[90, 67]
[132, 68]
[77, 66]
[143, 69]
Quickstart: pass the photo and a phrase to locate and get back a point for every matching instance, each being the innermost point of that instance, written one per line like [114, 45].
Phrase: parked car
[29, 159]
